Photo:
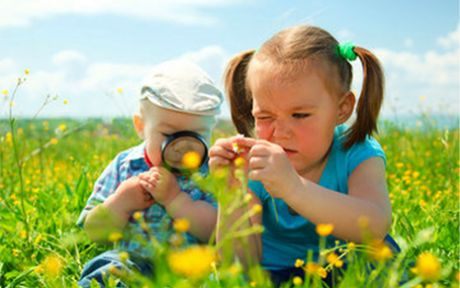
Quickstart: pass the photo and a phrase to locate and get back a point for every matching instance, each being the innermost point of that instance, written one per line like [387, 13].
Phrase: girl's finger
[257, 162]
[219, 151]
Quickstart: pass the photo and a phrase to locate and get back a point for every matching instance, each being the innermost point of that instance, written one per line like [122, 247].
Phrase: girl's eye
[165, 135]
[300, 115]
[263, 118]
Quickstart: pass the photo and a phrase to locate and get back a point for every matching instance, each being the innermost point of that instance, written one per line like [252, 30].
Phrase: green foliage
[59, 160]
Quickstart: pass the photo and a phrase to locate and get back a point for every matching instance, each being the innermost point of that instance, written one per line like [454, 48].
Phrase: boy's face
[158, 123]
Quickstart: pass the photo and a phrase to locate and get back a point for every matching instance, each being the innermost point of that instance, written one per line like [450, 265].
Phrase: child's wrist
[176, 203]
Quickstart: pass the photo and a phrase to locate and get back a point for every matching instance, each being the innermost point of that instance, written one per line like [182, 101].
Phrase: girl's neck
[314, 172]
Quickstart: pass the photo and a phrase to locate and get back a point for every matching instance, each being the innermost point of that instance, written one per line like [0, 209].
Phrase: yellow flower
[137, 215]
[119, 90]
[54, 141]
[315, 269]
[191, 160]
[239, 162]
[124, 256]
[62, 127]
[5, 92]
[427, 267]
[23, 234]
[380, 251]
[27, 71]
[257, 208]
[194, 262]
[351, 245]
[181, 225]
[324, 229]
[51, 266]
[299, 263]
[297, 281]
[334, 259]
[65, 101]
[115, 236]
[9, 138]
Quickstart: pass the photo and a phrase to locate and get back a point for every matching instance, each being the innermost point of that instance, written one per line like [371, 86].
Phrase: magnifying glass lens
[184, 152]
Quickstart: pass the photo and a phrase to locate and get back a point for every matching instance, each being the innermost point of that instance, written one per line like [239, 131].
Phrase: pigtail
[238, 93]
[370, 99]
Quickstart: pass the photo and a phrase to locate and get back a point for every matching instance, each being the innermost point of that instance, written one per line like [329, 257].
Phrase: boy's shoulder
[133, 156]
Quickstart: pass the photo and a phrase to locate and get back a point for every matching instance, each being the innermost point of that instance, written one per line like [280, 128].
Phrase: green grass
[44, 185]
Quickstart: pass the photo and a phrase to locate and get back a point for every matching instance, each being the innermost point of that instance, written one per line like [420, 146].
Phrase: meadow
[48, 168]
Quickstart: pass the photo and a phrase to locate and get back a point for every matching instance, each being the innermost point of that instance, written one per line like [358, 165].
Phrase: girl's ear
[346, 107]
[138, 123]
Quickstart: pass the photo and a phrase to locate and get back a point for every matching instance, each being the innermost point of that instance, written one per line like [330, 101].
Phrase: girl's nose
[280, 129]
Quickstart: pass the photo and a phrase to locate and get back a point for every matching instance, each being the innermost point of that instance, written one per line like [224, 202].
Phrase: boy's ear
[138, 123]
[346, 107]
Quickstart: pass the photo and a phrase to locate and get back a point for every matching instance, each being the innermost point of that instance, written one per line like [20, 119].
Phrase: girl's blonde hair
[294, 46]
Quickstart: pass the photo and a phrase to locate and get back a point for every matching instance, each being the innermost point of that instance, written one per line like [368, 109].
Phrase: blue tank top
[290, 236]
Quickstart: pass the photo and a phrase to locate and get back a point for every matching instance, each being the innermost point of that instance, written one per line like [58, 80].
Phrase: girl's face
[159, 123]
[297, 113]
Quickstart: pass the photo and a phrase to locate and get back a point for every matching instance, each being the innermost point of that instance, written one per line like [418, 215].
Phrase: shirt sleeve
[258, 188]
[362, 151]
[105, 185]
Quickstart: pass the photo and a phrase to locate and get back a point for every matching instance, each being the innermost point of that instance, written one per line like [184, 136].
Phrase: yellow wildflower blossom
[181, 225]
[299, 263]
[239, 162]
[324, 229]
[194, 262]
[191, 160]
[115, 236]
[380, 251]
[51, 266]
[27, 71]
[5, 92]
[54, 141]
[297, 281]
[427, 267]
[334, 259]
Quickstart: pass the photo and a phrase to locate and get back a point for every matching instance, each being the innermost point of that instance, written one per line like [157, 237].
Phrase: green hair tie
[346, 51]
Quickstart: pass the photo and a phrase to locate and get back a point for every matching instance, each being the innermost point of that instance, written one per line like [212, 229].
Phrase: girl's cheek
[264, 130]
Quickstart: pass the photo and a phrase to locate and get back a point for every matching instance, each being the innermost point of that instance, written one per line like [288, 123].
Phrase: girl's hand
[161, 184]
[269, 164]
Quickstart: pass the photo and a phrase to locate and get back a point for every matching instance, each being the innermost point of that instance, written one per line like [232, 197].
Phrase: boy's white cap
[182, 86]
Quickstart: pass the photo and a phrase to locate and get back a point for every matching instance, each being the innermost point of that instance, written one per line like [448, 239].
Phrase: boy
[177, 96]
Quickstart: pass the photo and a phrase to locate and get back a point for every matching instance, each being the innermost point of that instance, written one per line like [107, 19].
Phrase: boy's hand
[161, 184]
[129, 197]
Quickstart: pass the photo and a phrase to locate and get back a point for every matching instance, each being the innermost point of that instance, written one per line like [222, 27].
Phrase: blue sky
[82, 51]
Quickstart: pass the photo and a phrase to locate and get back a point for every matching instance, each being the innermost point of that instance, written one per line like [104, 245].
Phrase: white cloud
[420, 82]
[23, 12]
[91, 87]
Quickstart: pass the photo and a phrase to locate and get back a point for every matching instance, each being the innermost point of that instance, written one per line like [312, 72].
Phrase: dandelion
[27, 71]
[334, 259]
[54, 141]
[115, 237]
[9, 138]
[181, 225]
[23, 234]
[194, 262]
[191, 160]
[247, 197]
[5, 92]
[427, 267]
[65, 101]
[235, 269]
[51, 266]
[120, 90]
[297, 281]
[324, 229]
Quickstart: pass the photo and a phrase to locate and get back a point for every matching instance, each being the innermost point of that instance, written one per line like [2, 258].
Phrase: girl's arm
[367, 203]
[252, 254]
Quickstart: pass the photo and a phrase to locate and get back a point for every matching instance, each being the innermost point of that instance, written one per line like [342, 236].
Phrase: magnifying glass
[177, 146]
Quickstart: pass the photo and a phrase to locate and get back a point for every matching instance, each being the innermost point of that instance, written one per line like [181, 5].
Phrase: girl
[295, 93]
